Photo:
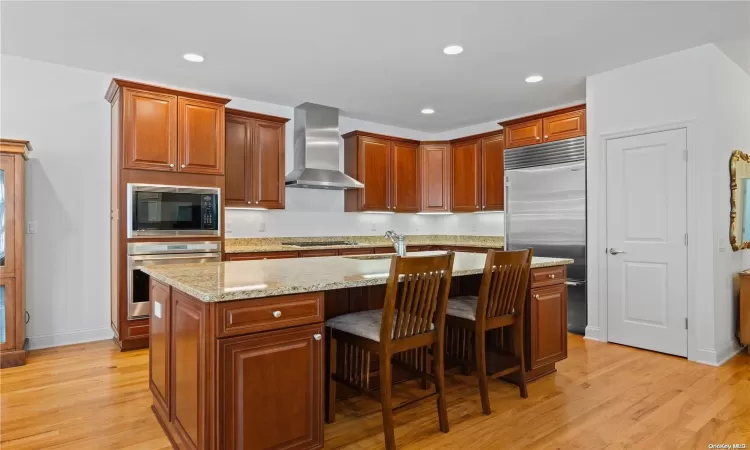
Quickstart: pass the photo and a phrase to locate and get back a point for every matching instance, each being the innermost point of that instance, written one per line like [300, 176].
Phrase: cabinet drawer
[315, 253]
[546, 276]
[381, 250]
[236, 318]
[259, 255]
[355, 251]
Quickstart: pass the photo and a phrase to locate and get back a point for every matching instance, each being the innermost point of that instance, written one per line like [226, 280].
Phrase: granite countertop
[236, 280]
[255, 245]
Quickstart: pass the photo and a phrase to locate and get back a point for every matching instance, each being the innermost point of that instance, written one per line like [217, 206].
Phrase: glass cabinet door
[7, 216]
[7, 314]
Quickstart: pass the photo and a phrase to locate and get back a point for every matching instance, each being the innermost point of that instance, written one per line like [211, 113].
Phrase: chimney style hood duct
[316, 150]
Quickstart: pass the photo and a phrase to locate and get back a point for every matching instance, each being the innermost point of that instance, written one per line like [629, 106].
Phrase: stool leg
[386, 402]
[331, 400]
[439, 356]
[481, 361]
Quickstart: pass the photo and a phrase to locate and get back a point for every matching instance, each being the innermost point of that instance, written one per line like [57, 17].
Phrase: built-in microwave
[161, 210]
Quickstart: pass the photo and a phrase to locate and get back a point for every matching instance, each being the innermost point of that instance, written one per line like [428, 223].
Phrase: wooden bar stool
[411, 321]
[500, 304]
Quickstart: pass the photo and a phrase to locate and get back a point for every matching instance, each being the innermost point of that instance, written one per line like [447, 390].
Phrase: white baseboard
[715, 358]
[72, 337]
[593, 334]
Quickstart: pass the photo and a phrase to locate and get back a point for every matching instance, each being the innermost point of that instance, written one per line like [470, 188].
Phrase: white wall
[731, 131]
[683, 87]
[63, 113]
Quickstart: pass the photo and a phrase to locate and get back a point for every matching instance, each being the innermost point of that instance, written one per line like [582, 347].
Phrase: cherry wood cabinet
[435, 171]
[389, 169]
[545, 127]
[249, 256]
[405, 177]
[548, 315]
[564, 126]
[492, 181]
[13, 315]
[169, 130]
[478, 173]
[149, 128]
[467, 163]
[200, 143]
[272, 389]
[238, 376]
[255, 161]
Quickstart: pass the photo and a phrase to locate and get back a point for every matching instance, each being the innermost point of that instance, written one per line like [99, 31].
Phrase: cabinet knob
[276, 314]
[551, 276]
[183, 166]
[256, 202]
[317, 336]
[545, 136]
[249, 203]
[536, 296]
[538, 138]
[171, 165]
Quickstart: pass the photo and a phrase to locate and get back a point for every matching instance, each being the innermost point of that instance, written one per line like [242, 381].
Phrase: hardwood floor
[91, 396]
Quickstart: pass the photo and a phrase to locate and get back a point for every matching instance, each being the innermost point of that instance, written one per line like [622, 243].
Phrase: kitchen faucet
[398, 242]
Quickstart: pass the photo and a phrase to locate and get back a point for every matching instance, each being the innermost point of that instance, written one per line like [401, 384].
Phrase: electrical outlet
[374, 227]
[474, 226]
[261, 226]
[31, 227]
[721, 244]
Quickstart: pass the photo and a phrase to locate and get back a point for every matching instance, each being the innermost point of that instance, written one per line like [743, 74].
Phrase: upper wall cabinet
[389, 169]
[546, 127]
[435, 170]
[478, 173]
[168, 130]
[255, 160]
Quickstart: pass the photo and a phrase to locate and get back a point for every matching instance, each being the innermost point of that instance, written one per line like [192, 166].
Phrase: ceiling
[379, 61]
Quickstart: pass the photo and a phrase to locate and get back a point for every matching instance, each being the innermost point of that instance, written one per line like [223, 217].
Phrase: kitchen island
[237, 351]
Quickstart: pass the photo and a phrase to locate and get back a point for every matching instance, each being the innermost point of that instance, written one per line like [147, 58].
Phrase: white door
[647, 241]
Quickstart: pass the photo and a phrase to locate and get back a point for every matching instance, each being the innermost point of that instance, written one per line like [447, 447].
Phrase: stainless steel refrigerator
[545, 198]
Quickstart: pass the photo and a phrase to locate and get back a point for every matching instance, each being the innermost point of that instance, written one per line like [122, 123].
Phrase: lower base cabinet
[271, 389]
[547, 314]
[214, 387]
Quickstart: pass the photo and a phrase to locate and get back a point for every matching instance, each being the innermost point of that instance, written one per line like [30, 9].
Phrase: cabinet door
[149, 130]
[435, 175]
[521, 134]
[7, 215]
[271, 389]
[8, 314]
[374, 170]
[466, 176]
[565, 126]
[201, 136]
[405, 180]
[268, 164]
[159, 342]
[493, 173]
[238, 161]
[260, 255]
[549, 320]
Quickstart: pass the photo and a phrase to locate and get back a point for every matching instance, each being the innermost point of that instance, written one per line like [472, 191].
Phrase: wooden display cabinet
[13, 315]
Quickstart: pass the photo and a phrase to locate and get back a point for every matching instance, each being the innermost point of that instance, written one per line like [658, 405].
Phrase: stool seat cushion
[365, 324]
[464, 307]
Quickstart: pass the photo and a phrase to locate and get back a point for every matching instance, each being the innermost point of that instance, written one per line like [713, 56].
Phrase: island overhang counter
[237, 352]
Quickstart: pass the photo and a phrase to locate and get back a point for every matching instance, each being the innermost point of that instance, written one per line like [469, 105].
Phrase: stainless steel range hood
[316, 150]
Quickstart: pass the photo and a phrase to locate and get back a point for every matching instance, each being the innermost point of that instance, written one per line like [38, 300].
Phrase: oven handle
[174, 256]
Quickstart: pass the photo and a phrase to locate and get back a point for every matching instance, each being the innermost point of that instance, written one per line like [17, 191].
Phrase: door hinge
[686, 239]
[686, 323]
[685, 154]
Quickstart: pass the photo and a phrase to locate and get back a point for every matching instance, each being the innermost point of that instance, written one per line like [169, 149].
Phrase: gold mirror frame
[737, 156]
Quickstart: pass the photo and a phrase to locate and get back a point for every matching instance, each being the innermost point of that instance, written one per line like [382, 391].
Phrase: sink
[381, 256]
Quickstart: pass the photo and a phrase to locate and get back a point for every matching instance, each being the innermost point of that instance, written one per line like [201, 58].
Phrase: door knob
[317, 336]
[277, 314]
[614, 251]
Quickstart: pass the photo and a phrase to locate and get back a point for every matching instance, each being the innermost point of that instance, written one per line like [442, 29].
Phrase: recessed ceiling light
[534, 78]
[193, 57]
[428, 111]
[453, 50]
